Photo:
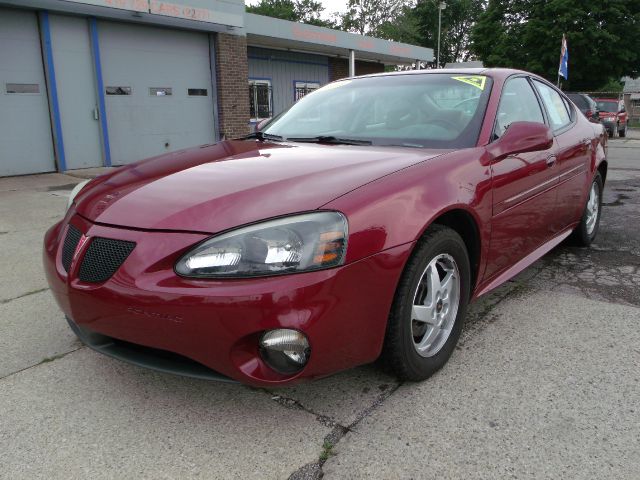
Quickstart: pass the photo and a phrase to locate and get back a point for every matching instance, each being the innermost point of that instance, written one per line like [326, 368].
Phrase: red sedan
[359, 223]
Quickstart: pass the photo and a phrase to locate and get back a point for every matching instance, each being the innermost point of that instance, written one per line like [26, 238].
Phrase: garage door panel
[143, 124]
[76, 91]
[25, 127]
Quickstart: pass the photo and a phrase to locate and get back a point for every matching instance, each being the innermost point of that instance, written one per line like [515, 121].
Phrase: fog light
[286, 351]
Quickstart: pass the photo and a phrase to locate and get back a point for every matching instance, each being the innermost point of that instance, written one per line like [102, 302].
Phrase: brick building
[90, 83]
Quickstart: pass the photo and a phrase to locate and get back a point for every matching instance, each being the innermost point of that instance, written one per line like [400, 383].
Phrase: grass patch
[327, 451]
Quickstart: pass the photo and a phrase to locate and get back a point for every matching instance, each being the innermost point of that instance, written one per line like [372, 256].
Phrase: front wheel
[587, 230]
[429, 307]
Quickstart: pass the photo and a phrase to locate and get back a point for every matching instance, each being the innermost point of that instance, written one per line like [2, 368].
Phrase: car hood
[216, 187]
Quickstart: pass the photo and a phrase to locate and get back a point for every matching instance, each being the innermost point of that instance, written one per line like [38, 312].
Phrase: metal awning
[281, 34]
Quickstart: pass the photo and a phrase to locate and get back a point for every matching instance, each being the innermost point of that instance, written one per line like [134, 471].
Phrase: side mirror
[521, 137]
[261, 124]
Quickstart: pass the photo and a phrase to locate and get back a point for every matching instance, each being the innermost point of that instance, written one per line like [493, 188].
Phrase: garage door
[25, 128]
[157, 90]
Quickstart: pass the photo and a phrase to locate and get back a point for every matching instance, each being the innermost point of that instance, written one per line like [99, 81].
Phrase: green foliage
[612, 85]
[458, 18]
[603, 38]
[305, 11]
[372, 17]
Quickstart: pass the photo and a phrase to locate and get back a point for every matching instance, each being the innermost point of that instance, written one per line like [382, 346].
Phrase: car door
[573, 148]
[523, 184]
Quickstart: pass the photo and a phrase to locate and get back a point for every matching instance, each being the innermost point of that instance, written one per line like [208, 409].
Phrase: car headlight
[75, 192]
[297, 243]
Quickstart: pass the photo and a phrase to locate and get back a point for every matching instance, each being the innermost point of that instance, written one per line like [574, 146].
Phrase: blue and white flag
[563, 69]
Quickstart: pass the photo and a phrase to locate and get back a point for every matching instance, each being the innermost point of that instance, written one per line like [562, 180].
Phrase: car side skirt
[518, 267]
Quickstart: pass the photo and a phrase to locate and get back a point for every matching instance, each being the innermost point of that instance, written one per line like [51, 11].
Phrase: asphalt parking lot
[544, 384]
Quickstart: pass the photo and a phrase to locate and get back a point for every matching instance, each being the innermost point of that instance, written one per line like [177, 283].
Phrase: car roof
[497, 73]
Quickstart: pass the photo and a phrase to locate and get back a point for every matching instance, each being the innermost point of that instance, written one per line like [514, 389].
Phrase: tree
[603, 37]
[371, 17]
[305, 11]
[458, 18]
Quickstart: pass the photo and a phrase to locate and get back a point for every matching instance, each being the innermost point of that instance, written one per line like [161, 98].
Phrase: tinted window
[608, 106]
[425, 110]
[197, 92]
[517, 104]
[579, 100]
[569, 108]
[558, 115]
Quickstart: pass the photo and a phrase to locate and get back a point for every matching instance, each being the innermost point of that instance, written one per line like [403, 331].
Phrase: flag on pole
[563, 69]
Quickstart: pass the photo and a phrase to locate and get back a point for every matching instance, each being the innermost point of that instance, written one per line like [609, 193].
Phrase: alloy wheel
[593, 208]
[435, 305]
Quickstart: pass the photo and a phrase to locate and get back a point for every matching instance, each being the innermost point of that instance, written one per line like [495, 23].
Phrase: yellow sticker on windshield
[477, 81]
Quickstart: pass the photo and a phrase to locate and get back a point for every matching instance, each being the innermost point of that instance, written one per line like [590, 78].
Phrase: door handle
[551, 160]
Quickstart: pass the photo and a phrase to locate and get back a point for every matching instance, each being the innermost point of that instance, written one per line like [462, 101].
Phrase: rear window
[608, 106]
[579, 101]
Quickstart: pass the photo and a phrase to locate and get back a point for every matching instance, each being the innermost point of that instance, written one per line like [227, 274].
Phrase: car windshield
[611, 107]
[423, 110]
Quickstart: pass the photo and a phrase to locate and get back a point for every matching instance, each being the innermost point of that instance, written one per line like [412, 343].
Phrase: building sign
[182, 11]
[133, 5]
[224, 13]
[317, 35]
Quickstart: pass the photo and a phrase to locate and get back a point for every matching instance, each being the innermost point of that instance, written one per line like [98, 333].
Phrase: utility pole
[441, 6]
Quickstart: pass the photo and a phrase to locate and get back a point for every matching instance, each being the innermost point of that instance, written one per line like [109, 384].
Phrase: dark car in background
[585, 104]
[613, 116]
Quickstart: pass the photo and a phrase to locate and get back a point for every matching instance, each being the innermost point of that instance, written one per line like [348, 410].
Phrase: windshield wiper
[262, 137]
[330, 139]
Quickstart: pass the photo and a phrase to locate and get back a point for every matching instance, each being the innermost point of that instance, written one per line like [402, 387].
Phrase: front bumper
[343, 311]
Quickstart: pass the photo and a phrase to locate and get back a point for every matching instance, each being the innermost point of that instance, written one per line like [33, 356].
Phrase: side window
[518, 104]
[558, 114]
[567, 105]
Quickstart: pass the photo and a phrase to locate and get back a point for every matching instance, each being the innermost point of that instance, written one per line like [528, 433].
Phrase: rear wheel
[429, 307]
[587, 230]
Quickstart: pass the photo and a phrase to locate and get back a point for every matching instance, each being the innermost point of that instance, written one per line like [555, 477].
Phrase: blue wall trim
[286, 60]
[53, 89]
[95, 49]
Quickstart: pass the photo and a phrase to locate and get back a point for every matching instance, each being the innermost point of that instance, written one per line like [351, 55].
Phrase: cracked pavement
[544, 382]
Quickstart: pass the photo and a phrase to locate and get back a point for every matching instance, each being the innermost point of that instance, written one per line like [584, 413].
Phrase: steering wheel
[465, 101]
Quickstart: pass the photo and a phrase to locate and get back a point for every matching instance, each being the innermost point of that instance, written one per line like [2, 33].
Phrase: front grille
[69, 246]
[104, 256]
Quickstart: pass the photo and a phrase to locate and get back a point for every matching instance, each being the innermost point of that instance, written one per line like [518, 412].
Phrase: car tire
[419, 341]
[622, 133]
[586, 231]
